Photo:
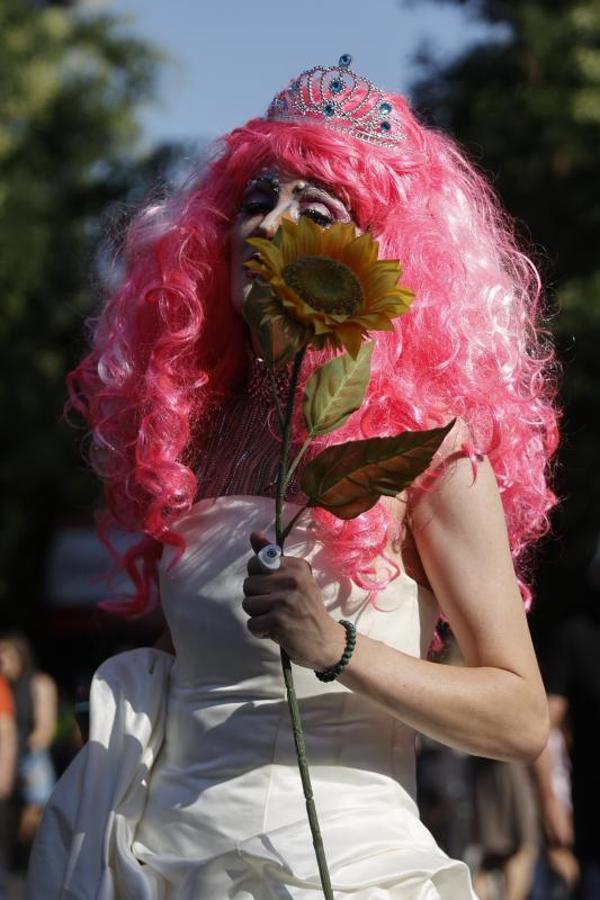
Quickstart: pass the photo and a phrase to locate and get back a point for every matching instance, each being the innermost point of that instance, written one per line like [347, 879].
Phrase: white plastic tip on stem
[269, 558]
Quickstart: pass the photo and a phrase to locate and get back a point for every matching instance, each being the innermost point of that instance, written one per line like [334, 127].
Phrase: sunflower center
[325, 284]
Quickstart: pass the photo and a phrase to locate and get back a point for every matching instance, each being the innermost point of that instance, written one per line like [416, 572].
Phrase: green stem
[278, 409]
[293, 520]
[311, 809]
[281, 534]
[285, 446]
[298, 459]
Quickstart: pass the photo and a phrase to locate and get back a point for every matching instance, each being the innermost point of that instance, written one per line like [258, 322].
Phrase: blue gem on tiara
[385, 108]
[329, 108]
[295, 87]
[345, 61]
[336, 86]
[385, 126]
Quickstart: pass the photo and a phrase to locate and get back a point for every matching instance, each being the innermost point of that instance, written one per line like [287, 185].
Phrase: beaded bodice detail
[240, 455]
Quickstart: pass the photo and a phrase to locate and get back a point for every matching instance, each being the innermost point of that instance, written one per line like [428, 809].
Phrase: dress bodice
[227, 711]
[202, 598]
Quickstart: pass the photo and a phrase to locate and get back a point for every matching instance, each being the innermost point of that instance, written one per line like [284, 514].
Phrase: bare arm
[8, 754]
[45, 702]
[495, 706]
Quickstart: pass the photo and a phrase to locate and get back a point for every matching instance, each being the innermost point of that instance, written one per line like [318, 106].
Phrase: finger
[257, 606]
[257, 584]
[255, 567]
[258, 540]
[261, 626]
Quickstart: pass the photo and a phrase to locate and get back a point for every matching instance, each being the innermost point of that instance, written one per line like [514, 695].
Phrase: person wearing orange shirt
[8, 758]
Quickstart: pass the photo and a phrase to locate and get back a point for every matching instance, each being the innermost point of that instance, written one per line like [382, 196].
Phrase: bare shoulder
[455, 478]
[43, 683]
[459, 527]
[413, 509]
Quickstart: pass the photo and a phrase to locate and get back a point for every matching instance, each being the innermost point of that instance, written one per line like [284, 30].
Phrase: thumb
[258, 540]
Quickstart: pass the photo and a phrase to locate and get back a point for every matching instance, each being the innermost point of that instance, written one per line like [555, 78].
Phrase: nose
[272, 220]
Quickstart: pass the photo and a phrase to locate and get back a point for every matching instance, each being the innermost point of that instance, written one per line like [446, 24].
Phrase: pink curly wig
[168, 345]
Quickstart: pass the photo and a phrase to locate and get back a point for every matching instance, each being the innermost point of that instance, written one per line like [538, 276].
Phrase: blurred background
[106, 103]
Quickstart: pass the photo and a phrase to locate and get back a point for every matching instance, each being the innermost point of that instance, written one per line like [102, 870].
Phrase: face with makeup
[268, 198]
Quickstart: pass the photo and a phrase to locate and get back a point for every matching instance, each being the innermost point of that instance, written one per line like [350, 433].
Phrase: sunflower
[328, 283]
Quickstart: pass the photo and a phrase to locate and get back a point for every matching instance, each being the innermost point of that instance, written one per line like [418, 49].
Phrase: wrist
[336, 670]
[333, 649]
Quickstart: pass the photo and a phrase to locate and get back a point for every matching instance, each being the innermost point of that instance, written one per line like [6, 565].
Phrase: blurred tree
[526, 103]
[70, 85]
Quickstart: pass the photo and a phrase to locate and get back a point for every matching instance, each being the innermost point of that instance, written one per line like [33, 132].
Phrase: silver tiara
[340, 99]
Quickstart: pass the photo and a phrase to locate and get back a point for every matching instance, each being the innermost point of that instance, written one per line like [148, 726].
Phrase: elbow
[530, 733]
[532, 746]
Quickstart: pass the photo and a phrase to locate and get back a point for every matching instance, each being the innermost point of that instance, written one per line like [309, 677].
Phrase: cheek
[235, 245]
[238, 283]
[238, 247]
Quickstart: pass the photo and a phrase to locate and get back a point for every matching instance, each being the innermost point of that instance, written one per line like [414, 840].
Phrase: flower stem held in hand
[281, 534]
[285, 446]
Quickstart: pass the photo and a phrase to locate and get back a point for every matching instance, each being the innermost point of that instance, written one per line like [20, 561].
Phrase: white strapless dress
[188, 787]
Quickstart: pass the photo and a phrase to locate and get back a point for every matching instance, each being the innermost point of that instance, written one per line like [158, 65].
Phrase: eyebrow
[271, 181]
[316, 186]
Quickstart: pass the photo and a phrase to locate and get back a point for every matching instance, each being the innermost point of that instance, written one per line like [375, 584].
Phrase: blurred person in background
[506, 828]
[444, 777]
[8, 761]
[572, 674]
[35, 700]
[557, 872]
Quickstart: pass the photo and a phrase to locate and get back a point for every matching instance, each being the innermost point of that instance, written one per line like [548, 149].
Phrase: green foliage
[348, 479]
[336, 390]
[69, 87]
[528, 109]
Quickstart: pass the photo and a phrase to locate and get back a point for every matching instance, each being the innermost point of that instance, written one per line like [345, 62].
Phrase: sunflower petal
[394, 298]
[375, 323]
[379, 284]
[270, 253]
[351, 336]
[361, 254]
[335, 238]
[299, 239]
[389, 307]
[254, 265]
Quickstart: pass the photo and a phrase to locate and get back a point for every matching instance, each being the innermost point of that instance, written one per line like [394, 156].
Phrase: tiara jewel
[340, 99]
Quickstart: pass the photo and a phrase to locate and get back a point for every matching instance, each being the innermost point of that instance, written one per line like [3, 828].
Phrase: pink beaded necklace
[240, 455]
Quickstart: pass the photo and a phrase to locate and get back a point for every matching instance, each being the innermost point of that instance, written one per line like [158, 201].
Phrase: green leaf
[347, 479]
[276, 346]
[336, 390]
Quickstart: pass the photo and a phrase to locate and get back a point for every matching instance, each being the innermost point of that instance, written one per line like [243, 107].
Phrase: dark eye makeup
[313, 202]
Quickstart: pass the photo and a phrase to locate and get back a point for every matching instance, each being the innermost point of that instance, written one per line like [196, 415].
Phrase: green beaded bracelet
[332, 674]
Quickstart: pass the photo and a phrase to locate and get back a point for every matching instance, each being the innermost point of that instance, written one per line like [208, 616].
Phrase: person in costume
[188, 787]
